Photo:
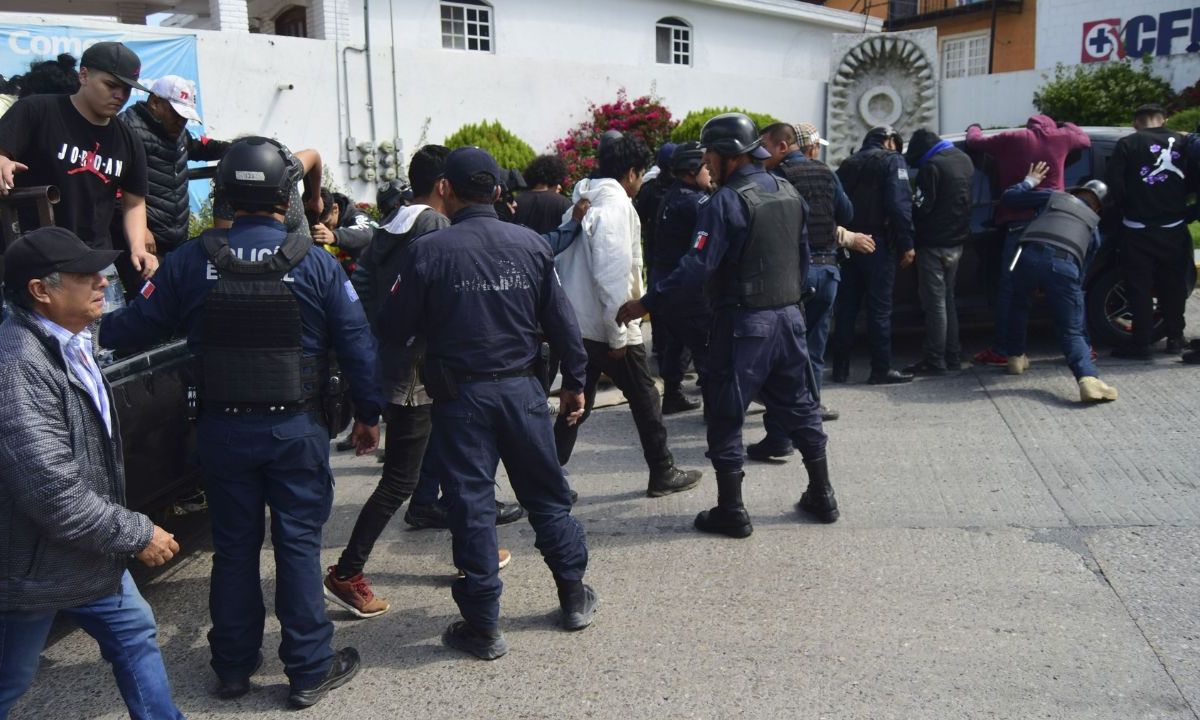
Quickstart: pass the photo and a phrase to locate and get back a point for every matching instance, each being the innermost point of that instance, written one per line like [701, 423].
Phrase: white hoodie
[602, 269]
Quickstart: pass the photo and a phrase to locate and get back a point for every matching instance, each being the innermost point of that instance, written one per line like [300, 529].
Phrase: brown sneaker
[354, 594]
[504, 558]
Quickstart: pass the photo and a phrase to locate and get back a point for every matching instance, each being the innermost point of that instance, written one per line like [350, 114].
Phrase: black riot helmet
[732, 134]
[688, 157]
[255, 174]
[883, 133]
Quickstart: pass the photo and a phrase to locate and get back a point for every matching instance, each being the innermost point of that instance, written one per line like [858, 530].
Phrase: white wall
[1060, 25]
[1006, 99]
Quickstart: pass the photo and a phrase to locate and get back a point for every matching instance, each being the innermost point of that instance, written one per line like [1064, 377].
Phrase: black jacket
[167, 203]
[1148, 177]
[942, 203]
[876, 181]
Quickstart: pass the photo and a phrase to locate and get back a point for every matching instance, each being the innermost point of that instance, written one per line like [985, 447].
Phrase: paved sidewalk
[1003, 553]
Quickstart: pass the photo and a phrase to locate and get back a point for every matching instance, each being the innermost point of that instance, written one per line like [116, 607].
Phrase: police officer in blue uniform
[876, 179]
[481, 293]
[261, 310]
[685, 320]
[750, 254]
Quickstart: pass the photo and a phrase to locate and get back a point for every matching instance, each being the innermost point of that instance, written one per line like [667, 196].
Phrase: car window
[1077, 169]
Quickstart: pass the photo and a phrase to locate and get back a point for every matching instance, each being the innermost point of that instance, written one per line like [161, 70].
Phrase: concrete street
[1004, 552]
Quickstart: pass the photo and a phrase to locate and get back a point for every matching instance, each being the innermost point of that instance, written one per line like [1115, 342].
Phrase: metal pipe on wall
[370, 81]
[395, 91]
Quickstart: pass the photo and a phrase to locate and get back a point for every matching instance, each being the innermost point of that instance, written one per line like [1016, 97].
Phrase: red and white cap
[180, 92]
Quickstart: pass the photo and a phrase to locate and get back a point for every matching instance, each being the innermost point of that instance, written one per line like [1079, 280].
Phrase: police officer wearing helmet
[1053, 254]
[262, 310]
[481, 293]
[876, 179]
[684, 321]
[750, 255]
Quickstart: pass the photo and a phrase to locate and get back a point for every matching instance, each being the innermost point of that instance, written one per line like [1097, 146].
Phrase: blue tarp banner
[161, 54]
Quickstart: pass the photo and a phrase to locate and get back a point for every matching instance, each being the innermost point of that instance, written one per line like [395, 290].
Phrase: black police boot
[235, 688]
[818, 499]
[1175, 344]
[828, 414]
[674, 401]
[345, 666]
[765, 451]
[672, 480]
[484, 645]
[506, 513]
[890, 377]
[578, 603]
[841, 369]
[424, 517]
[729, 517]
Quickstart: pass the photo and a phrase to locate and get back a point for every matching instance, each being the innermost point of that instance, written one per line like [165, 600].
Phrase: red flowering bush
[1189, 97]
[645, 117]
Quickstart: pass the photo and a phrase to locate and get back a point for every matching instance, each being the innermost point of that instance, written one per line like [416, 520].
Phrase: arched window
[673, 40]
[467, 25]
[292, 22]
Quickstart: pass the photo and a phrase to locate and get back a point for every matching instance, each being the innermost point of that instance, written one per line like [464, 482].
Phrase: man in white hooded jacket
[600, 272]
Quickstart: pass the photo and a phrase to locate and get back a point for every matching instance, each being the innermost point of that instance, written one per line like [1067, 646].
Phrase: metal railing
[45, 197]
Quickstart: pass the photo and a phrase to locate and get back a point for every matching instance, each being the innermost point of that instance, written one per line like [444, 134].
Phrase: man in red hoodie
[1042, 139]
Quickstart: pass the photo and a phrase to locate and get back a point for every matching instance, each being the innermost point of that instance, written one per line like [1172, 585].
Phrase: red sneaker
[354, 594]
[991, 358]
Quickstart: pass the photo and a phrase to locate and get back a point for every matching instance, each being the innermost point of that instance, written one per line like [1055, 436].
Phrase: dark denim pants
[1042, 266]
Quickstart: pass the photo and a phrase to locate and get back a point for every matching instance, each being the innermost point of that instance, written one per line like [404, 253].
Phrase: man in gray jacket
[65, 537]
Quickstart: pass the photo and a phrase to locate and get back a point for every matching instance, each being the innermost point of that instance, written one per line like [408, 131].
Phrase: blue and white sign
[161, 54]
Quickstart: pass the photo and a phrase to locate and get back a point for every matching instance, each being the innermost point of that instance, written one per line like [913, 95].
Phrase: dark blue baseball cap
[464, 163]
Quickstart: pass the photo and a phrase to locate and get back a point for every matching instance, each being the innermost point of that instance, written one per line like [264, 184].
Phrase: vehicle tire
[1108, 315]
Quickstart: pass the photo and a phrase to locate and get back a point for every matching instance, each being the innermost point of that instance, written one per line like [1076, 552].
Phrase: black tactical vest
[862, 175]
[252, 328]
[1066, 223]
[768, 272]
[815, 183]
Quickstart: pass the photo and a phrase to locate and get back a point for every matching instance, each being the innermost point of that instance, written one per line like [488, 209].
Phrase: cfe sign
[1171, 32]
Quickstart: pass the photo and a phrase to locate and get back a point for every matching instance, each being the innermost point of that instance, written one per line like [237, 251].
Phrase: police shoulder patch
[902, 173]
[147, 290]
[351, 293]
[701, 240]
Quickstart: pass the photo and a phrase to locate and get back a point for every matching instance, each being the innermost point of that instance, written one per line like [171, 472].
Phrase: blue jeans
[1004, 291]
[1041, 266]
[123, 625]
[818, 313]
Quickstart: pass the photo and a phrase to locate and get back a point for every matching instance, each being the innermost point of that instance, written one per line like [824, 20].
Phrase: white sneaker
[1093, 389]
[1018, 364]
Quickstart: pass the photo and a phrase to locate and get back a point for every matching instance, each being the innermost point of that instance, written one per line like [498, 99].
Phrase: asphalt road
[1004, 552]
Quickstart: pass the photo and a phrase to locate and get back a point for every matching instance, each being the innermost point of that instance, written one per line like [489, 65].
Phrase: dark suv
[1108, 314]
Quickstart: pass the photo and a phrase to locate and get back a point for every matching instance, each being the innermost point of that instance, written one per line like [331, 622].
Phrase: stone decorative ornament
[880, 79]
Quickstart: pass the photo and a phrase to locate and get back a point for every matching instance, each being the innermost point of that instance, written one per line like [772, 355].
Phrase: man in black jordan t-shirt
[76, 143]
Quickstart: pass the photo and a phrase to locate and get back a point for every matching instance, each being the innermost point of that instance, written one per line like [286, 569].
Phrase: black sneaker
[828, 414]
[463, 636]
[579, 610]
[506, 513]
[925, 368]
[674, 401]
[762, 452]
[424, 517]
[891, 377]
[954, 363]
[1191, 357]
[672, 480]
[237, 687]
[345, 666]
[841, 371]
[1175, 345]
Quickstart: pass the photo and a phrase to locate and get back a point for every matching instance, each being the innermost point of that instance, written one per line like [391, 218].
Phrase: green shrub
[199, 222]
[509, 150]
[1101, 93]
[1185, 121]
[691, 126]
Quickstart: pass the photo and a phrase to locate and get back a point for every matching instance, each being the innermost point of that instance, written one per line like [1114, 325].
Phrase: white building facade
[400, 73]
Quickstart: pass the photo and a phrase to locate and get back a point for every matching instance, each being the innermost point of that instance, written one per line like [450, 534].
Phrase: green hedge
[509, 150]
[1185, 120]
[691, 126]
[1101, 93]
